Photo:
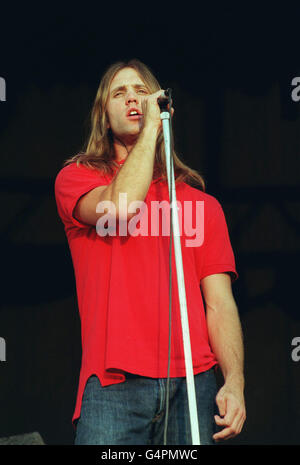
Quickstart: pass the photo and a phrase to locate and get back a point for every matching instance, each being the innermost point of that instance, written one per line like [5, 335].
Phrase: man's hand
[231, 404]
[151, 110]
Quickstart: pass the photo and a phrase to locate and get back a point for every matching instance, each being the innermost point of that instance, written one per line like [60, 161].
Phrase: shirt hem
[118, 376]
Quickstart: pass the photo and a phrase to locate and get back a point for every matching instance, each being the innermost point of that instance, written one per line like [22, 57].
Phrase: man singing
[122, 280]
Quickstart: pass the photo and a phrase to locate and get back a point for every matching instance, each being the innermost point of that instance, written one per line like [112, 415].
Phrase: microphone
[163, 99]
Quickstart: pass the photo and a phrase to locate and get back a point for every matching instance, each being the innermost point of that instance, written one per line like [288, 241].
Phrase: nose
[131, 97]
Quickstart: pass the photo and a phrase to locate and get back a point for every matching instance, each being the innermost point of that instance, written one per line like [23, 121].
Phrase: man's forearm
[225, 335]
[135, 176]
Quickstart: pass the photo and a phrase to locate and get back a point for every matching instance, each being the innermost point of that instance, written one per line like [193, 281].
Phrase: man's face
[124, 105]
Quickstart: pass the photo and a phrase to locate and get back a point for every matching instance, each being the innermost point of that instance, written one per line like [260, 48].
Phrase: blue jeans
[133, 412]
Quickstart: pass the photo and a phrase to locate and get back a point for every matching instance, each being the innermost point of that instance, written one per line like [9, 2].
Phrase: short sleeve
[71, 183]
[216, 255]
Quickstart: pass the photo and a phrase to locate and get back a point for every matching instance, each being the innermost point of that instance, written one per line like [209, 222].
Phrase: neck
[122, 148]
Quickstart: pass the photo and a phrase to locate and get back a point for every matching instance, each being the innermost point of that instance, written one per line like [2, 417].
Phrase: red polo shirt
[122, 282]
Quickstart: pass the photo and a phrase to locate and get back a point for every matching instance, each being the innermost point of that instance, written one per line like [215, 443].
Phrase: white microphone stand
[166, 123]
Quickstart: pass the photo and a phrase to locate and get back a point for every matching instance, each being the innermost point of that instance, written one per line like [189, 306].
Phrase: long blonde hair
[98, 152]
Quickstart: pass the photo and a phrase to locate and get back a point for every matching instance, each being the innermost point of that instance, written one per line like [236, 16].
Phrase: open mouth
[134, 114]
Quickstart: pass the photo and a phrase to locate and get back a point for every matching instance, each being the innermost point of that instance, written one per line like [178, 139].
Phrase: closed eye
[138, 89]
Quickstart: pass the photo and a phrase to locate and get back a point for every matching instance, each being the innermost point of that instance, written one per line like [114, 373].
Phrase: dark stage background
[235, 121]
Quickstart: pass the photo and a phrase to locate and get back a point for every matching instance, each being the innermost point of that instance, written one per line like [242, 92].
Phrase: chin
[133, 132]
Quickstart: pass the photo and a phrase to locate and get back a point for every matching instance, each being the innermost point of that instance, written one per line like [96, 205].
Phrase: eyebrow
[123, 88]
